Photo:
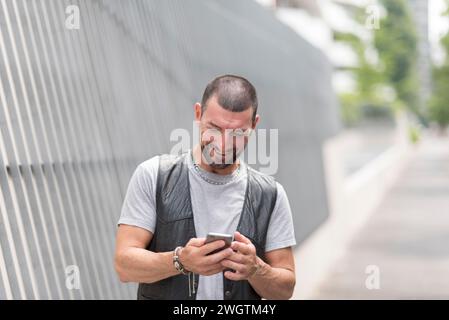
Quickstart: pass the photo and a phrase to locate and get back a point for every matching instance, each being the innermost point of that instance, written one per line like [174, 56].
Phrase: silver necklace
[205, 178]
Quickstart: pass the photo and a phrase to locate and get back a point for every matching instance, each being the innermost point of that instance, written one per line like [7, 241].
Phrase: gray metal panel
[79, 109]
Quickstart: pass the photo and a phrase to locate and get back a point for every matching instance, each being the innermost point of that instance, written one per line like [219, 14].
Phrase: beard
[217, 160]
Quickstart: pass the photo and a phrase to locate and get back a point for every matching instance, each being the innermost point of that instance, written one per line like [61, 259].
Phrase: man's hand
[194, 256]
[244, 261]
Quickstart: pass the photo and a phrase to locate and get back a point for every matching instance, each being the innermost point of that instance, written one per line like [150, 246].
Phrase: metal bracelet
[177, 263]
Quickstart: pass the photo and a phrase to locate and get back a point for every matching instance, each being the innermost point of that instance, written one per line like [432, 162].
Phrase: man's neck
[197, 154]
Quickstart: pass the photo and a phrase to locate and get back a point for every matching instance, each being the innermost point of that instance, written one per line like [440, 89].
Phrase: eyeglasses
[234, 133]
[240, 133]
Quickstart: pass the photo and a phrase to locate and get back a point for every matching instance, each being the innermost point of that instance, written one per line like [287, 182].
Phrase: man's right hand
[194, 256]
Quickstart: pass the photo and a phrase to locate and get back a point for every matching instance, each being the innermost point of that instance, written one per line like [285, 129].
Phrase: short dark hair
[233, 93]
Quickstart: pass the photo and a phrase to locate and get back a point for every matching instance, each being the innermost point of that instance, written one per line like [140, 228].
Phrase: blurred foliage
[414, 134]
[392, 80]
[439, 103]
[396, 42]
[366, 79]
[350, 108]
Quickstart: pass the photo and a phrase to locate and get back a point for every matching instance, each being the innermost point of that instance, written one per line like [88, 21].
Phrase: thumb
[241, 238]
[196, 242]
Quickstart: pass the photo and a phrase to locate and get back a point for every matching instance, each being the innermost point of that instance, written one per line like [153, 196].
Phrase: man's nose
[227, 140]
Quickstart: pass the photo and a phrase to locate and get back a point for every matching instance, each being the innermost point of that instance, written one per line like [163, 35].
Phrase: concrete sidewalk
[406, 239]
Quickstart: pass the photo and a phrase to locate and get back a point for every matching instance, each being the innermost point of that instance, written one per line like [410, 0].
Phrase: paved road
[406, 238]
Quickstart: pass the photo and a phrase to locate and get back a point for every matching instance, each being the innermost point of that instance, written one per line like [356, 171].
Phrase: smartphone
[214, 236]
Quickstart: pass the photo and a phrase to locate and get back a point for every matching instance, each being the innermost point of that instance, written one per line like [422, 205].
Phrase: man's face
[224, 134]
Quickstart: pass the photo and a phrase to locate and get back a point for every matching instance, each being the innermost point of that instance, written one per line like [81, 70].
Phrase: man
[172, 202]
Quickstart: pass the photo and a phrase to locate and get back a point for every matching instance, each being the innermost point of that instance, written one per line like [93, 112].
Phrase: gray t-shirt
[217, 202]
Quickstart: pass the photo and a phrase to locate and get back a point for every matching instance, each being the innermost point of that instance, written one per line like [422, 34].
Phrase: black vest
[175, 226]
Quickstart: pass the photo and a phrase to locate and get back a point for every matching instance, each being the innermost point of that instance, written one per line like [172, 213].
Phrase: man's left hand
[244, 259]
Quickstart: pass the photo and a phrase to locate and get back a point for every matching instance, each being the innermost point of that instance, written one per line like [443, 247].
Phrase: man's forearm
[273, 283]
[140, 265]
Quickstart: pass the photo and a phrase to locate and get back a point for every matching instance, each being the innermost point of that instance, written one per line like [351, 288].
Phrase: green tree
[395, 72]
[396, 43]
[439, 103]
[366, 79]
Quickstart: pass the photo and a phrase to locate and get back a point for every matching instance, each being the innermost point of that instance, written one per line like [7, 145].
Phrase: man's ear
[197, 108]
[256, 121]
